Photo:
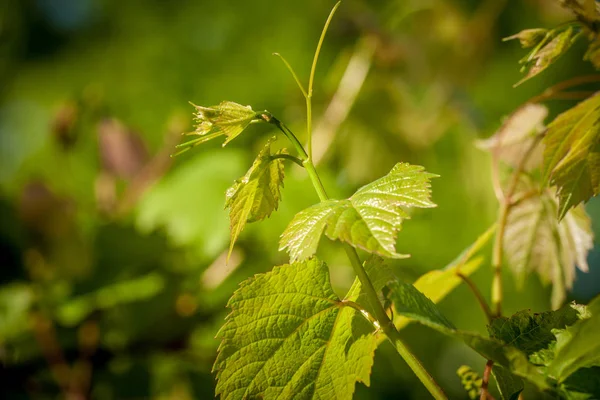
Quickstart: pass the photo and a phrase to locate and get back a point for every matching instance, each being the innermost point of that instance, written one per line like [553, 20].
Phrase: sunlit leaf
[572, 154]
[256, 195]
[227, 119]
[369, 220]
[534, 241]
[289, 336]
[516, 135]
[542, 56]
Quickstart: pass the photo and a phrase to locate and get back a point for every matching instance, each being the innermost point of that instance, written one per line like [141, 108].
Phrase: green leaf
[577, 346]
[582, 385]
[408, 301]
[516, 135]
[369, 220]
[547, 52]
[227, 119]
[256, 195]
[572, 154]
[289, 336]
[509, 385]
[534, 241]
[531, 332]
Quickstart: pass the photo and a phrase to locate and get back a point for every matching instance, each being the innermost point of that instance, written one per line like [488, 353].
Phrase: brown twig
[553, 91]
[480, 299]
[485, 394]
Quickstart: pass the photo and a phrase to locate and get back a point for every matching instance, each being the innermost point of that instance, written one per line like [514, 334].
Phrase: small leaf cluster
[548, 45]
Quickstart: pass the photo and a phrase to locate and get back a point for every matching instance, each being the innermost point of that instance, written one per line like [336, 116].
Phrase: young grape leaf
[577, 346]
[572, 154]
[256, 195]
[547, 52]
[369, 220]
[411, 303]
[531, 332]
[534, 241]
[516, 135]
[289, 336]
[228, 118]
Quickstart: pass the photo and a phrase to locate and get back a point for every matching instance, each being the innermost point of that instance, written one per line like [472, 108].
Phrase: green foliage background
[108, 248]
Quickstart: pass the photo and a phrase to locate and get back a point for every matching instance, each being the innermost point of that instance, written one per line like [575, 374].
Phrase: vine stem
[380, 315]
[311, 79]
[505, 207]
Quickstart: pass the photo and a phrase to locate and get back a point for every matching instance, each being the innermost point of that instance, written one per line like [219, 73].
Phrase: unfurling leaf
[529, 37]
[572, 154]
[369, 220]
[256, 195]
[518, 132]
[289, 336]
[545, 53]
[227, 119]
[534, 241]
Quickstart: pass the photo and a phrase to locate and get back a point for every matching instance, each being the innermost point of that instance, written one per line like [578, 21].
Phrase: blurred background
[113, 280]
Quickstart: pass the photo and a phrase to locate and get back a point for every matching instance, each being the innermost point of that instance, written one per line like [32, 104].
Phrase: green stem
[311, 79]
[287, 157]
[381, 316]
[388, 326]
[268, 117]
[289, 67]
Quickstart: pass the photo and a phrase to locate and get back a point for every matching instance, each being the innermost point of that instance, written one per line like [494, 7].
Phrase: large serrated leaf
[256, 195]
[369, 220]
[289, 336]
[572, 154]
[411, 303]
[534, 241]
